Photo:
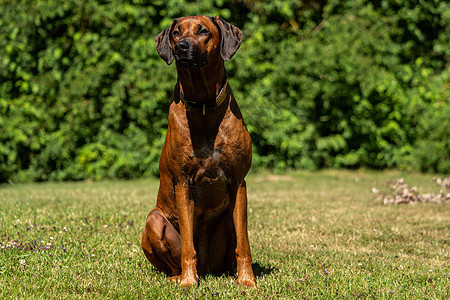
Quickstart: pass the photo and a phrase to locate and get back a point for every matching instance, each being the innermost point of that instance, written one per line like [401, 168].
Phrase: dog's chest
[209, 181]
[207, 158]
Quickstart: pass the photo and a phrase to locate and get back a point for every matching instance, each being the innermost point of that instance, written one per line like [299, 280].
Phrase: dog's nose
[182, 45]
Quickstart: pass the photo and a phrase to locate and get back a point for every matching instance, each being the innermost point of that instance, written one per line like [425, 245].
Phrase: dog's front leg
[185, 207]
[243, 255]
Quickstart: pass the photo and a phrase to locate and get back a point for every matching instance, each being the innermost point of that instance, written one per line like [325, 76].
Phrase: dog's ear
[163, 43]
[231, 38]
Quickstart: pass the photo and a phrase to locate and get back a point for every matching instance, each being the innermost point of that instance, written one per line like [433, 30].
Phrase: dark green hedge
[83, 93]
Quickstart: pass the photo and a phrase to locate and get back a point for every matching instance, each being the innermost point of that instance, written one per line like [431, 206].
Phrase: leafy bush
[345, 91]
[83, 93]
[432, 147]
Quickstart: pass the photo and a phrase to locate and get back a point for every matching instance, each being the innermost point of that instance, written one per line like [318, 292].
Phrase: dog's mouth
[190, 63]
[192, 59]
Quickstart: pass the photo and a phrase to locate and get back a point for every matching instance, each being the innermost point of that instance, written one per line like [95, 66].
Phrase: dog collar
[206, 107]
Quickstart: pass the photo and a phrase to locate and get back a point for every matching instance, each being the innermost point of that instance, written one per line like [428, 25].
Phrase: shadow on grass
[260, 270]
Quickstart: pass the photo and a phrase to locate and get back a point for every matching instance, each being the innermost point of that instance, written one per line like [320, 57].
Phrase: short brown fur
[199, 224]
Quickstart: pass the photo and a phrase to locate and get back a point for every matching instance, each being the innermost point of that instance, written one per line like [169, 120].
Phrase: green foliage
[433, 143]
[84, 94]
[347, 91]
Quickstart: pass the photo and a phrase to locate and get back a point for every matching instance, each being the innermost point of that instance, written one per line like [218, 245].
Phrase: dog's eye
[175, 33]
[203, 31]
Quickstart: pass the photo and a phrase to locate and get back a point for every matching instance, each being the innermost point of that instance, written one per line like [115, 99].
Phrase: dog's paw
[188, 281]
[174, 279]
[248, 281]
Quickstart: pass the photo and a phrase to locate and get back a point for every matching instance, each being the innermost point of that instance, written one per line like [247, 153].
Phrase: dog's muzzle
[187, 56]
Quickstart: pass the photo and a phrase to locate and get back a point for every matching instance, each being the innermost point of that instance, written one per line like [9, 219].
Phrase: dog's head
[197, 41]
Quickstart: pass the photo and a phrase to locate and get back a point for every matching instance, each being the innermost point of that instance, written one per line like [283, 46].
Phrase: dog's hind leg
[161, 243]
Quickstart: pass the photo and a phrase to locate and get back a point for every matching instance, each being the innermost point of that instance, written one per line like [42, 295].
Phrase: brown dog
[199, 224]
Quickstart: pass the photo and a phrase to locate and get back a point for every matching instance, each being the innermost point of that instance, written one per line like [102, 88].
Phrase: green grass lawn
[313, 234]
